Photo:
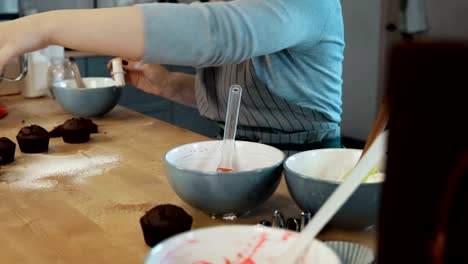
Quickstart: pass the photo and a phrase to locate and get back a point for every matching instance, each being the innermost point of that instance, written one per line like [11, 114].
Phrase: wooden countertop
[92, 215]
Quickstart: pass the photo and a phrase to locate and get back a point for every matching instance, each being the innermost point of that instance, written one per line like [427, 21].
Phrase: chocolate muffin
[93, 128]
[33, 139]
[57, 131]
[76, 130]
[7, 151]
[164, 221]
[88, 123]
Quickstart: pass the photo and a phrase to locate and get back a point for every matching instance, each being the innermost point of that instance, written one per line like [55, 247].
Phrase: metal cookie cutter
[305, 218]
[292, 223]
[278, 220]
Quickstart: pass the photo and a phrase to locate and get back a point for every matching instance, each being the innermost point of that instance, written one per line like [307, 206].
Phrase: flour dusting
[40, 171]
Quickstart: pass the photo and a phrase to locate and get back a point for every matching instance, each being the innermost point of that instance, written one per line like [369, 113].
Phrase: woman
[287, 55]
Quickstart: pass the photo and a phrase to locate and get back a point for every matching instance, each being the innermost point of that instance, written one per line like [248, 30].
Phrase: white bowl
[234, 244]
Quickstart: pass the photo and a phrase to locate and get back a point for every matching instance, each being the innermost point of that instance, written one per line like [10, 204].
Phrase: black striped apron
[263, 117]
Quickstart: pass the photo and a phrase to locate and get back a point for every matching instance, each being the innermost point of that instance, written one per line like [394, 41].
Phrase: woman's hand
[150, 78]
[23, 35]
[156, 79]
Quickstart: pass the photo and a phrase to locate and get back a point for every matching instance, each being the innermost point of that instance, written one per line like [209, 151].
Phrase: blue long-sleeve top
[296, 46]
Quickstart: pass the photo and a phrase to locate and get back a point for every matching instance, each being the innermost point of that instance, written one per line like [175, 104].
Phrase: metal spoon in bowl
[373, 156]
[232, 115]
[76, 73]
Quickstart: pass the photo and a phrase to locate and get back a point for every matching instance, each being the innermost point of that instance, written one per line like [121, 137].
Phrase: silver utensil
[23, 70]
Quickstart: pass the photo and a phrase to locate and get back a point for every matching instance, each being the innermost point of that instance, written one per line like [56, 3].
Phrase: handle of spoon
[232, 112]
[232, 115]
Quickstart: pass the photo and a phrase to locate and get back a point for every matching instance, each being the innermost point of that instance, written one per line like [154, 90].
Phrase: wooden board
[95, 219]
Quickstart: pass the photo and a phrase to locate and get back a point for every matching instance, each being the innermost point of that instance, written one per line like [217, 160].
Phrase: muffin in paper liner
[352, 253]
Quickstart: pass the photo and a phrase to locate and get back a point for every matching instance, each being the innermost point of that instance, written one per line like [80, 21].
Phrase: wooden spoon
[379, 126]
[76, 73]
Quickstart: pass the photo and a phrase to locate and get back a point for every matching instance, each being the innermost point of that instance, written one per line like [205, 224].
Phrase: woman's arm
[215, 34]
[180, 88]
[108, 31]
[193, 35]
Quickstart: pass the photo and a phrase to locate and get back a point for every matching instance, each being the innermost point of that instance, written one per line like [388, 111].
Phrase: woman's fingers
[109, 65]
[132, 65]
[127, 65]
[132, 69]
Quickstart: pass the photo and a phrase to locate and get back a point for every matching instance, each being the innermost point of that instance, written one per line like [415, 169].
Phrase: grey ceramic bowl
[312, 176]
[191, 170]
[98, 98]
